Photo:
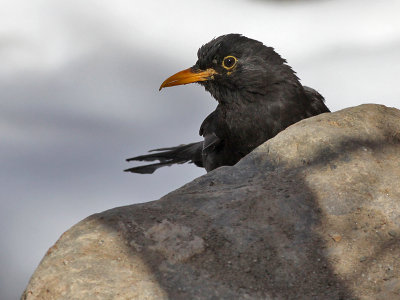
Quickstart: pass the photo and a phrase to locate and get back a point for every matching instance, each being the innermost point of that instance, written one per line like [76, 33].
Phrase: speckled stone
[313, 213]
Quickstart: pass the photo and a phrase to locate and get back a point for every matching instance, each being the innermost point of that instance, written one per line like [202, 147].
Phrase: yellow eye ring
[229, 62]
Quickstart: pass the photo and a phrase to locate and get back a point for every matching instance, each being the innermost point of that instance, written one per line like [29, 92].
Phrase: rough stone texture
[312, 214]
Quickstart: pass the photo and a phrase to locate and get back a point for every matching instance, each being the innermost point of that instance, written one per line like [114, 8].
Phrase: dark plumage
[258, 96]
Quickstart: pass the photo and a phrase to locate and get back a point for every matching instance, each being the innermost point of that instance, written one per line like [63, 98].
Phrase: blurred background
[79, 94]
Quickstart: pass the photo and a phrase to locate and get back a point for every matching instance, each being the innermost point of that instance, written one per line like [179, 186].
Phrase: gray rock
[314, 213]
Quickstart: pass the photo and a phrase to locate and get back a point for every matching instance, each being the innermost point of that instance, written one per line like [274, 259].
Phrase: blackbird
[258, 96]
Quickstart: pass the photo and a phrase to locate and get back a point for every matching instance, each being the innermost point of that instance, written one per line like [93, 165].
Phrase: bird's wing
[210, 142]
[208, 130]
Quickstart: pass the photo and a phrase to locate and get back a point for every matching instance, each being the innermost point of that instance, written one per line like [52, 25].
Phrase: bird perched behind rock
[258, 96]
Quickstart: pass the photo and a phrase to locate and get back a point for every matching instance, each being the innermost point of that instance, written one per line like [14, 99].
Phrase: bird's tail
[168, 156]
[317, 101]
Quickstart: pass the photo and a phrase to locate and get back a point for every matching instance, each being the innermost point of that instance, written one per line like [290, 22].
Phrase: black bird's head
[233, 64]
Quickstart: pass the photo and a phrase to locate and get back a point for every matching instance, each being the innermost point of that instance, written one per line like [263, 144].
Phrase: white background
[79, 94]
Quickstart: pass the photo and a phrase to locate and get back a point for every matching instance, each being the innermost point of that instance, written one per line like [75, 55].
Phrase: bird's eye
[229, 62]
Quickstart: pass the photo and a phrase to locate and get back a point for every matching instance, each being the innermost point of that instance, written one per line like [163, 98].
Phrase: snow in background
[79, 94]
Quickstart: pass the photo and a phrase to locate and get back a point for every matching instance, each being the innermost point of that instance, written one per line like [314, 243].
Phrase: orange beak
[188, 76]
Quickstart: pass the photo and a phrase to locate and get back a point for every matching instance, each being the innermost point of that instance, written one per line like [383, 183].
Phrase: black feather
[168, 156]
[259, 97]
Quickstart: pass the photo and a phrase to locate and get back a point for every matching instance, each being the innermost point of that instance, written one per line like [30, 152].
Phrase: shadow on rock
[311, 214]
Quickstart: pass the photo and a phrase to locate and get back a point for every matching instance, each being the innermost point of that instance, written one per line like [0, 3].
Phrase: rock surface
[314, 213]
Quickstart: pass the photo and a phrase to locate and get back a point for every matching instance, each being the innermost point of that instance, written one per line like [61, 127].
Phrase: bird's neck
[244, 97]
